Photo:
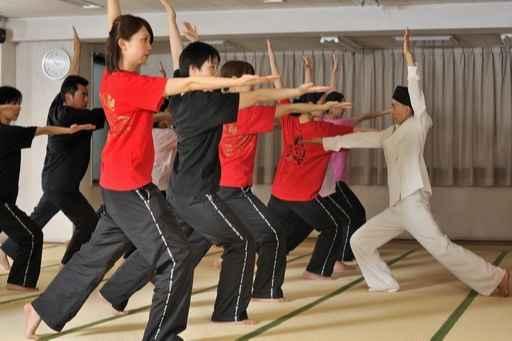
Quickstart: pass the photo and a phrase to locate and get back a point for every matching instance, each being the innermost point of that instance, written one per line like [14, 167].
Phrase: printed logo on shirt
[233, 144]
[119, 124]
[296, 152]
[108, 102]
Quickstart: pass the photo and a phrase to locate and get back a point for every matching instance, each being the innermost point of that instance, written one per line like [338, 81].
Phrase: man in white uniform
[409, 195]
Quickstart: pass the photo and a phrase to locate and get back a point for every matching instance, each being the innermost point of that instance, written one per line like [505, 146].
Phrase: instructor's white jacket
[403, 145]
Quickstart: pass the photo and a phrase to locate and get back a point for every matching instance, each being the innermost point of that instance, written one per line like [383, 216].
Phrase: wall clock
[56, 64]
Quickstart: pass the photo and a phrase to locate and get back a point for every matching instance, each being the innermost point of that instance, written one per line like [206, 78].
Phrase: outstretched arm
[113, 11]
[176, 86]
[304, 108]
[274, 70]
[75, 60]
[370, 116]
[52, 130]
[355, 140]
[251, 98]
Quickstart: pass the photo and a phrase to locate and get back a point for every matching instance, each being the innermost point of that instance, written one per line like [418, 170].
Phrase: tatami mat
[328, 310]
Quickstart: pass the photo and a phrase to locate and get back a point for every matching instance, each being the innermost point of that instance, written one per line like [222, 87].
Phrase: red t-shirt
[301, 168]
[237, 148]
[129, 100]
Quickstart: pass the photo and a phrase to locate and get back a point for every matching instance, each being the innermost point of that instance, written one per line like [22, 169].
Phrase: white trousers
[413, 215]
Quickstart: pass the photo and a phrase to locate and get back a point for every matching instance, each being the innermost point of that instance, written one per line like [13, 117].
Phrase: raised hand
[407, 48]
[169, 8]
[190, 32]
[274, 70]
[76, 38]
[334, 65]
[308, 62]
[308, 69]
[74, 68]
[270, 52]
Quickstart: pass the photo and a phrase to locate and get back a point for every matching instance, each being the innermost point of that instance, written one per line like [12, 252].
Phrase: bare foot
[340, 267]
[15, 287]
[315, 277]
[504, 288]
[114, 311]
[268, 300]
[246, 322]
[32, 321]
[387, 290]
[4, 262]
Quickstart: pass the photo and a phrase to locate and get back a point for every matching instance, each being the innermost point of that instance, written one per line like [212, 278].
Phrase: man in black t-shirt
[26, 266]
[67, 159]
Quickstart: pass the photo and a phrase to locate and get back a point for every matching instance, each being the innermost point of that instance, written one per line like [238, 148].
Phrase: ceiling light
[426, 38]
[214, 42]
[85, 4]
[91, 6]
[273, 1]
[329, 39]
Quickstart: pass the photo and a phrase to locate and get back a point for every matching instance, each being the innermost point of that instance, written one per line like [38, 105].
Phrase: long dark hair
[124, 27]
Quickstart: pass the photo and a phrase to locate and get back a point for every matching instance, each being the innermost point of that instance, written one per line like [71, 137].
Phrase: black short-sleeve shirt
[198, 120]
[12, 140]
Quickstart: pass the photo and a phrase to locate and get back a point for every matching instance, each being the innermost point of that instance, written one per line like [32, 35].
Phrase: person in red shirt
[300, 172]
[237, 152]
[135, 210]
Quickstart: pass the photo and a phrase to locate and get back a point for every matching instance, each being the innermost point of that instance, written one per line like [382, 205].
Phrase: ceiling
[38, 8]
[303, 41]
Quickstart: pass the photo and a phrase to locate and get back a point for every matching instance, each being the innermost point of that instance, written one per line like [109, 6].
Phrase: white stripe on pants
[413, 215]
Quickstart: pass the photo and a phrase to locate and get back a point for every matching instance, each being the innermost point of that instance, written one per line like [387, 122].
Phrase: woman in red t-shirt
[298, 179]
[135, 210]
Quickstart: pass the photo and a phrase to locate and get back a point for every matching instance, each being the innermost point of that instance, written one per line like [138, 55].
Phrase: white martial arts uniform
[409, 194]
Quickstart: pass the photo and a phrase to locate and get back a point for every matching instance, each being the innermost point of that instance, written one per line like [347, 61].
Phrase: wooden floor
[432, 305]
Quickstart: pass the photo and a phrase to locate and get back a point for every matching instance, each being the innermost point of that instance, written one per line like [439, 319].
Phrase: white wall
[7, 62]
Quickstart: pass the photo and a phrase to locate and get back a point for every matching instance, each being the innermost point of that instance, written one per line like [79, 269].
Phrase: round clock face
[56, 64]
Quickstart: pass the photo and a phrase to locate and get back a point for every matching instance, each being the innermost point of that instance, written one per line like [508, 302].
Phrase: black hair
[124, 27]
[309, 98]
[71, 83]
[236, 68]
[335, 97]
[195, 55]
[10, 95]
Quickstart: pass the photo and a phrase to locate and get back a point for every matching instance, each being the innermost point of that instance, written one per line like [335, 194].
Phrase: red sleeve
[324, 129]
[284, 101]
[256, 119]
[143, 92]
